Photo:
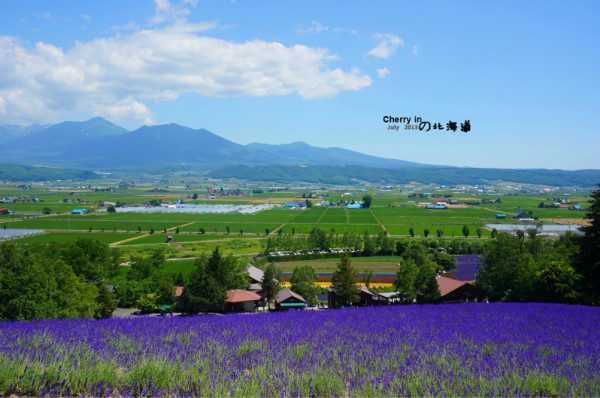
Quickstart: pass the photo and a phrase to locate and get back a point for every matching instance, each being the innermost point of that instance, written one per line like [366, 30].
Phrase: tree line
[56, 280]
[381, 244]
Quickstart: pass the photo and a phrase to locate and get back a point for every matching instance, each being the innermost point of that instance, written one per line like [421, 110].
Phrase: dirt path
[278, 228]
[379, 222]
[181, 226]
[128, 240]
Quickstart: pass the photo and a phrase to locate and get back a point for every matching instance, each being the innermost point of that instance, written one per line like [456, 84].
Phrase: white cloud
[388, 44]
[115, 76]
[383, 72]
[165, 11]
[415, 49]
[316, 27]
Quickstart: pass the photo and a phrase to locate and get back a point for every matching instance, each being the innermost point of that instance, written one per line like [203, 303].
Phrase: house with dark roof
[455, 291]
[287, 299]
[522, 216]
[367, 298]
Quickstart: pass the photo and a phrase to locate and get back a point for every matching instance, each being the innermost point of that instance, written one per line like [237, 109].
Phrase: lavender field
[437, 350]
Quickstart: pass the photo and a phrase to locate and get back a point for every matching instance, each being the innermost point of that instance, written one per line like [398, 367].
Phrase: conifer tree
[344, 282]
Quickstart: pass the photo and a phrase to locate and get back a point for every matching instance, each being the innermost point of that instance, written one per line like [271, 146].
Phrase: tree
[401, 247]
[344, 282]
[47, 210]
[209, 282]
[179, 280]
[479, 232]
[36, 283]
[147, 303]
[385, 244]
[111, 209]
[446, 262]
[368, 245]
[465, 231]
[411, 231]
[534, 271]
[494, 232]
[426, 232]
[309, 204]
[426, 285]
[267, 231]
[367, 199]
[303, 281]
[270, 284]
[202, 230]
[195, 196]
[587, 261]
[367, 276]
[318, 239]
[439, 232]
[106, 305]
[227, 228]
[405, 280]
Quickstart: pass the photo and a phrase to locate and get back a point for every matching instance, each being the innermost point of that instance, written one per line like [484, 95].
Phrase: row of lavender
[469, 349]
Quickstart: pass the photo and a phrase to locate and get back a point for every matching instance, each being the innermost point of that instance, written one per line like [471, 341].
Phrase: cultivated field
[431, 350]
[391, 212]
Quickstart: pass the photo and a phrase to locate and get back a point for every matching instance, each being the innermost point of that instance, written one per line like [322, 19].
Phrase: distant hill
[10, 132]
[13, 172]
[343, 175]
[302, 153]
[97, 143]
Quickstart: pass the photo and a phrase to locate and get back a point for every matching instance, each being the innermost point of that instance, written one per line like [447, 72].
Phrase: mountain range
[100, 144]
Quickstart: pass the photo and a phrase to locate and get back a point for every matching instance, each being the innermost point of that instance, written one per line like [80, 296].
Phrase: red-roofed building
[455, 291]
[239, 300]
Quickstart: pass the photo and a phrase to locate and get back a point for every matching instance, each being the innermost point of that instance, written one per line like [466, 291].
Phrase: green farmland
[392, 212]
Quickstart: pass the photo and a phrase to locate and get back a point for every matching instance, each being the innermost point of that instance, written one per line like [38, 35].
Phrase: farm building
[256, 276]
[355, 206]
[435, 207]
[390, 297]
[455, 291]
[501, 216]
[79, 211]
[239, 300]
[522, 216]
[366, 297]
[5, 211]
[287, 299]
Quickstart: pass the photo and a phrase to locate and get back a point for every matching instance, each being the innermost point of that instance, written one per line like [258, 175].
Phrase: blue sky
[526, 74]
